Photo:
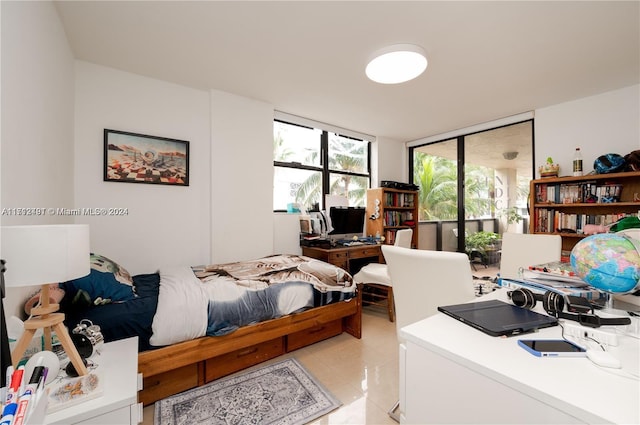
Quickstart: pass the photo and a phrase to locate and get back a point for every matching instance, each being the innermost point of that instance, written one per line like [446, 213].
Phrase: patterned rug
[282, 393]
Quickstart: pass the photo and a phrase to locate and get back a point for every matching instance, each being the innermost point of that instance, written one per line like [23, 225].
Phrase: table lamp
[41, 255]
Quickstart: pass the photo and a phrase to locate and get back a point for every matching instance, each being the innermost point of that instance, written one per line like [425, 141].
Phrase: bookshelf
[389, 210]
[563, 205]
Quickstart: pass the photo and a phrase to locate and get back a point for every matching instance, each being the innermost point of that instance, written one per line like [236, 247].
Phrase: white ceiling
[487, 60]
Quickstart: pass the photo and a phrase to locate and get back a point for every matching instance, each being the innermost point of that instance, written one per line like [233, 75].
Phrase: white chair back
[424, 280]
[403, 238]
[524, 250]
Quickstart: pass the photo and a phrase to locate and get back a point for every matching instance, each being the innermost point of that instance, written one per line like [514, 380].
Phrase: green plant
[511, 214]
[481, 241]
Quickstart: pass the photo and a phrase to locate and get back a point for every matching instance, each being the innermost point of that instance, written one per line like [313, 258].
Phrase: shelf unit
[571, 202]
[389, 210]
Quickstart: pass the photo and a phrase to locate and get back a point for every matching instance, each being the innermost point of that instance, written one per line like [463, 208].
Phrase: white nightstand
[119, 402]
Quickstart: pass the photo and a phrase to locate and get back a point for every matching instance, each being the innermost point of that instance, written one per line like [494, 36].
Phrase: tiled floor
[361, 373]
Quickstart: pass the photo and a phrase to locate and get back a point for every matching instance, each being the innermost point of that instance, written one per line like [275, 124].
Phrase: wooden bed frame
[179, 367]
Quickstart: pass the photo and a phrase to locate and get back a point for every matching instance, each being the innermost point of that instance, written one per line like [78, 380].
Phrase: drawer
[225, 364]
[365, 252]
[309, 336]
[338, 256]
[159, 386]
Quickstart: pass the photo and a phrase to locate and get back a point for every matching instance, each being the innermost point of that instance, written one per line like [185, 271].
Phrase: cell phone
[552, 348]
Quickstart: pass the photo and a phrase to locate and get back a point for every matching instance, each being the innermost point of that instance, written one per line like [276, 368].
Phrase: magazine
[556, 270]
[543, 285]
[66, 392]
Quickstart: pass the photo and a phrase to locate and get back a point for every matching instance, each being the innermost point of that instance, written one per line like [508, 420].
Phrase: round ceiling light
[397, 64]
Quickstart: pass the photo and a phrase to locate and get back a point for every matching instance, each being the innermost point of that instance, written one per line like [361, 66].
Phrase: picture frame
[141, 158]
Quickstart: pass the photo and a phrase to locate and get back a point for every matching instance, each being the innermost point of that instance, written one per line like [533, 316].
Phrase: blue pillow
[101, 288]
[106, 283]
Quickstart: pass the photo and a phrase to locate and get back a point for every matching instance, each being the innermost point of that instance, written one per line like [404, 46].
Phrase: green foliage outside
[481, 241]
[438, 181]
[511, 214]
[346, 155]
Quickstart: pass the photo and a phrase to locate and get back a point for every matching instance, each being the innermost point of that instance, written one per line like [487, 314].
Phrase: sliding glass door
[474, 182]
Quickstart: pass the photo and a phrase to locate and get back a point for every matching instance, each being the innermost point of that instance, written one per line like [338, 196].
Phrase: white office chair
[422, 281]
[377, 284]
[523, 250]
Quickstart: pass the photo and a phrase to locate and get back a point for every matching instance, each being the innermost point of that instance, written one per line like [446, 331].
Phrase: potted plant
[512, 217]
[549, 169]
[511, 214]
[484, 246]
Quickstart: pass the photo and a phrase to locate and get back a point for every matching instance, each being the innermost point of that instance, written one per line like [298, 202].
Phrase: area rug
[281, 393]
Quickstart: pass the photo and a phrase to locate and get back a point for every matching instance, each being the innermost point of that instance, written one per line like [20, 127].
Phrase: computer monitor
[347, 222]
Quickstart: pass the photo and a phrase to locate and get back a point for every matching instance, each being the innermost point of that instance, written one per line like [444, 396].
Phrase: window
[310, 162]
[474, 179]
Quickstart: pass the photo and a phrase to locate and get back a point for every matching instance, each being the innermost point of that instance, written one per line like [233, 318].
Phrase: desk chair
[422, 281]
[377, 283]
[524, 250]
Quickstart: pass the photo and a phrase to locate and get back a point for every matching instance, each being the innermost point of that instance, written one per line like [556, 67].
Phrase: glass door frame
[460, 163]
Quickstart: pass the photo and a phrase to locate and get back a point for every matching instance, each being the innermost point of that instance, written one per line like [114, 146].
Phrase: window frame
[324, 160]
[460, 139]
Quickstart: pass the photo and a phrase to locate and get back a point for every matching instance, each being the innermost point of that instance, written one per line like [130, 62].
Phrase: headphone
[553, 303]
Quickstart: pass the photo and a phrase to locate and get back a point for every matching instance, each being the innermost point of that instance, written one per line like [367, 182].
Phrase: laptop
[498, 318]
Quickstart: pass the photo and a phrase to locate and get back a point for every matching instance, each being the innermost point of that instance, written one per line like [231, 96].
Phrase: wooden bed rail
[347, 315]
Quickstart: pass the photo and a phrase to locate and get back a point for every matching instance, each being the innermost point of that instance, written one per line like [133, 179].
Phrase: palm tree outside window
[311, 162]
[474, 179]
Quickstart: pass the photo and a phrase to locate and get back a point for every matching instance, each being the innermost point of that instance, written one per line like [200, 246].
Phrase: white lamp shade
[42, 254]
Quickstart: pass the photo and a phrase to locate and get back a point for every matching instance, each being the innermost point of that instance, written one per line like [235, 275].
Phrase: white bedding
[182, 307]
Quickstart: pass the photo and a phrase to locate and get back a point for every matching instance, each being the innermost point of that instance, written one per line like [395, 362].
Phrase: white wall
[388, 161]
[165, 225]
[37, 118]
[37, 111]
[241, 177]
[286, 233]
[605, 123]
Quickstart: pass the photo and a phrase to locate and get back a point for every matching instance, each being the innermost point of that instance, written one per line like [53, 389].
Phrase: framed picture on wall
[140, 158]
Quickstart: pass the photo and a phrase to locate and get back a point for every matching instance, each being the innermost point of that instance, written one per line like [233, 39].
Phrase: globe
[609, 262]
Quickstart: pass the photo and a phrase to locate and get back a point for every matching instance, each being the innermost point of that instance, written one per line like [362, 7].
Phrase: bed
[197, 324]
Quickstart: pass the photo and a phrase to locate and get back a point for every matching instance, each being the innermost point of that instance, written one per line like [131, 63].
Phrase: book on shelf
[583, 192]
[390, 237]
[67, 392]
[397, 218]
[549, 220]
[393, 199]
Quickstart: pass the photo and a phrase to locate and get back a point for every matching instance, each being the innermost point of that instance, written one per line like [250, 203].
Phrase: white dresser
[119, 402]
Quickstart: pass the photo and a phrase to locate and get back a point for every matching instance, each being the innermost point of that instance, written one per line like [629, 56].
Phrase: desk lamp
[41, 255]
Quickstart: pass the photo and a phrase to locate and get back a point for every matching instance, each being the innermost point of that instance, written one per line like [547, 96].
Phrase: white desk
[453, 373]
[119, 403]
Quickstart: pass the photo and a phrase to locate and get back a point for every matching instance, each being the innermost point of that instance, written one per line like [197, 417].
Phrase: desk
[350, 258]
[451, 372]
